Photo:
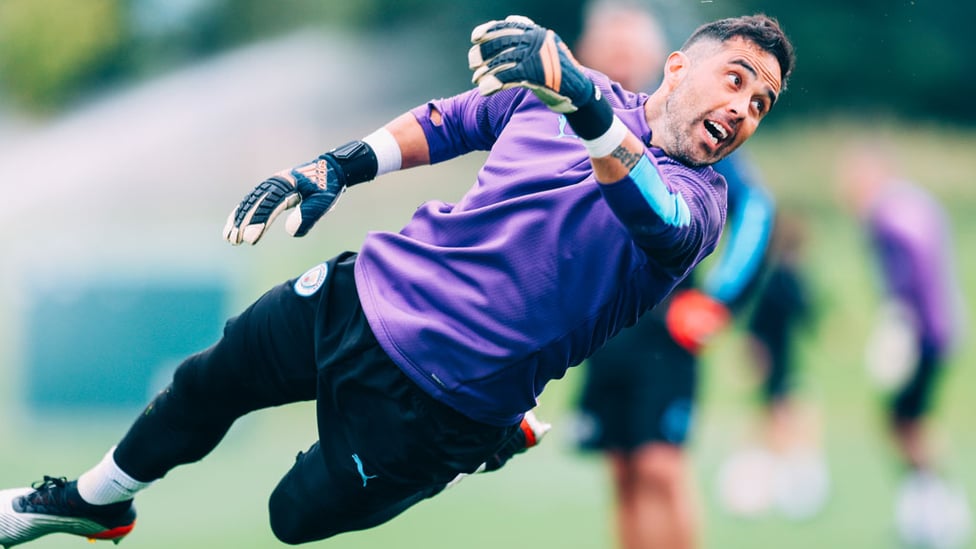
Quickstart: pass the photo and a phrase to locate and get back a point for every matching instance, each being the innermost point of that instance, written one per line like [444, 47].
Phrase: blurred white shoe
[746, 483]
[931, 513]
[802, 484]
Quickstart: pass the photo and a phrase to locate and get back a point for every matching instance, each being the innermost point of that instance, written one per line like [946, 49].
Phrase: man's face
[717, 100]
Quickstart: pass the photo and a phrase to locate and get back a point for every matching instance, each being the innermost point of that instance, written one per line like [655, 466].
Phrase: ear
[675, 68]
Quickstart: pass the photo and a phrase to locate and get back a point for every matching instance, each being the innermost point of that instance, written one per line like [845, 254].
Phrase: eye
[759, 105]
[734, 79]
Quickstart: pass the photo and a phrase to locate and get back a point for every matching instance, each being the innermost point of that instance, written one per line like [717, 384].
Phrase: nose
[739, 107]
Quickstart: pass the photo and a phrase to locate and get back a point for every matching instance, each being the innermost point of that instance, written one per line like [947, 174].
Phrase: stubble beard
[679, 145]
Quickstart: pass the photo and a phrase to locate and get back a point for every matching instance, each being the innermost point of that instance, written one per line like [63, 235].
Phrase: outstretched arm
[314, 187]
[680, 226]
[411, 141]
[518, 53]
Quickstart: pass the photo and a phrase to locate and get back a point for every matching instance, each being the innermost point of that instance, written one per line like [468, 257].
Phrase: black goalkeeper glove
[314, 187]
[518, 53]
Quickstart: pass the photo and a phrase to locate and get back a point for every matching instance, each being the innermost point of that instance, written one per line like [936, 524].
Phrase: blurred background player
[638, 393]
[784, 468]
[919, 322]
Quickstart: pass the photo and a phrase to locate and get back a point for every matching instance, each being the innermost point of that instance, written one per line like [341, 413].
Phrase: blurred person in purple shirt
[919, 323]
[426, 350]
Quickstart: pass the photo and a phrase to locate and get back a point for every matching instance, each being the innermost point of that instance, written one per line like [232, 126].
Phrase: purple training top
[483, 302]
[911, 234]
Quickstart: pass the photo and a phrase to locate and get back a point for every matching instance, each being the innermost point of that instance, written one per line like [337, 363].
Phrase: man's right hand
[518, 53]
[313, 187]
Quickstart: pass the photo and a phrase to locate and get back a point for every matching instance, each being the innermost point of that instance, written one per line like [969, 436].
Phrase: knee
[188, 383]
[290, 522]
[287, 529]
[660, 467]
[298, 508]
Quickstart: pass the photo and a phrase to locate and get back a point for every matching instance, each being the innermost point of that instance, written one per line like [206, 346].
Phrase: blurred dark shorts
[914, 399]
[640, 388]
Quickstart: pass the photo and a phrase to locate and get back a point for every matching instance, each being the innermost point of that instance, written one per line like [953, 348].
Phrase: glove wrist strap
[356, 162]
[592, 119]
[609, 141]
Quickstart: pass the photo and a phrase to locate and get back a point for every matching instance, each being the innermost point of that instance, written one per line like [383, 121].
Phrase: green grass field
[553, 496]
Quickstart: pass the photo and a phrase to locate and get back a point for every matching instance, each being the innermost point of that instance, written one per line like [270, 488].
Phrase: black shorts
[640, 388]
[384, 444]
[914, 399]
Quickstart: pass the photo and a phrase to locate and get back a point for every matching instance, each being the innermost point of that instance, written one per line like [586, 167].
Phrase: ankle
[73, 495]
[106, 483]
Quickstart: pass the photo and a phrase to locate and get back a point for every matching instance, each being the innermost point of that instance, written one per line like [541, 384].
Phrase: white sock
[105, 483]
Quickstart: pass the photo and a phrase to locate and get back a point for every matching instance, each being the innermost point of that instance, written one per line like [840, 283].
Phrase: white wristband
[386, 149]
[609, 141]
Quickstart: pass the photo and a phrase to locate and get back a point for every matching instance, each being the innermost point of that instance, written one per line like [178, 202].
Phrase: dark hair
[760, 29]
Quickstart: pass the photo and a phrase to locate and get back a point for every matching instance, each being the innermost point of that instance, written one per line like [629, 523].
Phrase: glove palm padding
[518, 53]
[313, 187]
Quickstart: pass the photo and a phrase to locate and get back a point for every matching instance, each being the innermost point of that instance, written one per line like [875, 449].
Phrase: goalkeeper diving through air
[425, 350]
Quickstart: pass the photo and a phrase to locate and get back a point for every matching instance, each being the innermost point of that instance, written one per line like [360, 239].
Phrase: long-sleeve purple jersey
[483, 302]
[910, 232]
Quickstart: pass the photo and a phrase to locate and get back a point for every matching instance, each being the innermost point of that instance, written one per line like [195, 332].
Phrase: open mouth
[716, 132]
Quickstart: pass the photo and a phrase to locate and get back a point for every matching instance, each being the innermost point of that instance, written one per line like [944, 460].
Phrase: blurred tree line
[909, 58]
